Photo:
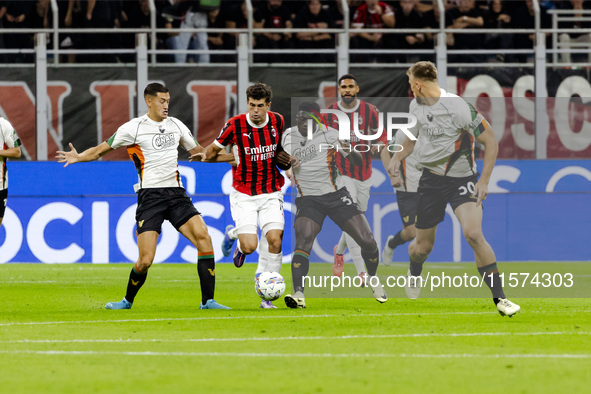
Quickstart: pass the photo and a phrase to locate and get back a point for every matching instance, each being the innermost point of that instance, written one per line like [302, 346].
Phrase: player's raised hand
[70, 157]
[480, 191]
[198, 157]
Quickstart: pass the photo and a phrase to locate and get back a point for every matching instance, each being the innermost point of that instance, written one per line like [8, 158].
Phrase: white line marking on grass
[26, 281]
[257, 316]
[236, 318]
[305, 355]
[294, 338]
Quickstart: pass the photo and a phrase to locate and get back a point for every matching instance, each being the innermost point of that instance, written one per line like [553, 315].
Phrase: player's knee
[205, 237]
[144, 263]
[274, 245]
[304, 242]
[474, 237]
[423, 248]
[248, 247]
[368, 244]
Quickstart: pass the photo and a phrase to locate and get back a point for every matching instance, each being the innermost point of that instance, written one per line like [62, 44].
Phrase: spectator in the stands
[18, 15]
[237, 18]
[337, 14]
[272, 14]
[465, 16]
[137, 14]
[497, 18]
[173, 15]
[293, 6]
[374, 14]
[408, 18]
[69, 17]
[2, 13]
[100, 14]
[524, 18]
[196, 17]
[573, 39]
[430, 20]
[313, 17]
[215, 40]
[423, 6]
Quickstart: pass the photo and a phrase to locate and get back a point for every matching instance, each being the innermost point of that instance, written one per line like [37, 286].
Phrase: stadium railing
[572, 47]
[49, 57]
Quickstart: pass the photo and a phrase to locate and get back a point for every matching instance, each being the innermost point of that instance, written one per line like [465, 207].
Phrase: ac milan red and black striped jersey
[256, 172]
[370, 18]
[368, 121]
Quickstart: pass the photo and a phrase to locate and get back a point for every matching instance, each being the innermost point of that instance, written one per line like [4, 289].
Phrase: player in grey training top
[315, 175]
[446, 128]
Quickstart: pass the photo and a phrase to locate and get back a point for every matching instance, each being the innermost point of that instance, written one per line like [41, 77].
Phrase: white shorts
[249, 212]
[359, 190]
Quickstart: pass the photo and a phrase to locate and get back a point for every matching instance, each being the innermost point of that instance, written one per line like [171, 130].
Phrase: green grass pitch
[56, 337]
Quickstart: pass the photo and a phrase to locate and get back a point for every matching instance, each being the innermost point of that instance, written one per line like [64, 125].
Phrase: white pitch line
[304, 355]
[294, 316]
[238, 318]
[300, 338]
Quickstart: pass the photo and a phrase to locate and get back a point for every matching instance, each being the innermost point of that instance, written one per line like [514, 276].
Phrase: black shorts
[3, 197]
[158, 204]
[436, 191]
[407, 207]
[338, 206]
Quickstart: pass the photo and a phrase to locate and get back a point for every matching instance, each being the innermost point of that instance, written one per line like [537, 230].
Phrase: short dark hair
[259, 91]
[154, 88]
[425, 71]
[309, 106]
[347, 76]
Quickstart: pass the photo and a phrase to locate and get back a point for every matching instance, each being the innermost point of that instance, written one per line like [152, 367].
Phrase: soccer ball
[269, 285]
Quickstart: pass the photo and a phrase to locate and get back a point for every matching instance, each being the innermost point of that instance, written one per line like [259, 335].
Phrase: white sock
[342, 245]
[355, 251]
[263, 255]
[274, 262]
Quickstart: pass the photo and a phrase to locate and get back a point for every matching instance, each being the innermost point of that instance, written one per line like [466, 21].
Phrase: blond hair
[425, 71]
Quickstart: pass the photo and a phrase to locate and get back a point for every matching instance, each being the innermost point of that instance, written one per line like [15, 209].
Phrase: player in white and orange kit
[9, 148]
[152, 141]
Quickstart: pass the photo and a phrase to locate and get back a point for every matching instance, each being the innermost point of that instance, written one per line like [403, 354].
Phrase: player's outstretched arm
[198, 154]
[89, 154]
[206, 154]
[13, 153]
[491, 149]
